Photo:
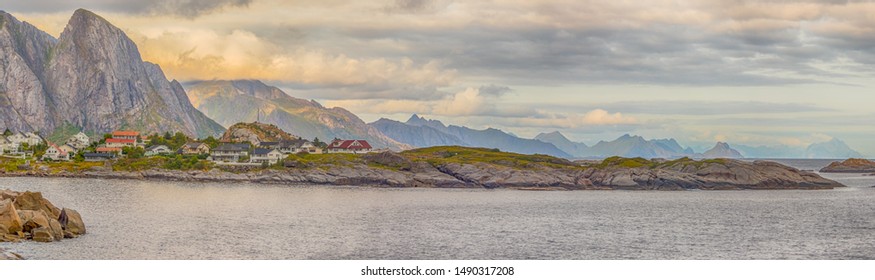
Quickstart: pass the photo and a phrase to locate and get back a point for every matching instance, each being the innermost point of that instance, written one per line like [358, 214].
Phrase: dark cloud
[494, 90]
[182, 8]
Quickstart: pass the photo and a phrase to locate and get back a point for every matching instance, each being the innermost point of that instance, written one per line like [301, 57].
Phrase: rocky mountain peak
[722, 150]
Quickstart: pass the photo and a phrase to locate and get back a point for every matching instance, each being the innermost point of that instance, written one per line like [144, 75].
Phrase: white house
[270, 156]
[349, 146]
[56, 153]
[157, 150]
[30, 138]
[79, 141]
[298, 146]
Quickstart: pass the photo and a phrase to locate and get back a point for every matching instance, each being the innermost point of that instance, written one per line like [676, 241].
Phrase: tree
[134, 152]
[7, 133]
[318, 143]
[212, 142]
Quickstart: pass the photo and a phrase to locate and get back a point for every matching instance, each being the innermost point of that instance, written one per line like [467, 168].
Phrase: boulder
[35, 201]
[33, 219]
[9, 219]
[42, 235]
[74, 226]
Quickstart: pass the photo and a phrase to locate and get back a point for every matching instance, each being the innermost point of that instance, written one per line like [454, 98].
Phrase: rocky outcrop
[853, 165]
[687, 174]
[255, 133]
[92, 78]
[27, 215]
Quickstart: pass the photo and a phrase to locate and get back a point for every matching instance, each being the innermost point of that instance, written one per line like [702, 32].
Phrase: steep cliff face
[24, 52]
[93, 78]
[230, 102]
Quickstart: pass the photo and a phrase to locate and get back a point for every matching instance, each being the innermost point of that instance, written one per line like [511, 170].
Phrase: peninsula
[448, 167]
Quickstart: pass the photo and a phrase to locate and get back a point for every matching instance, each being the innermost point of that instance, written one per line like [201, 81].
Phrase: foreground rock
[6, 255]
[27, 215]
[853, 165]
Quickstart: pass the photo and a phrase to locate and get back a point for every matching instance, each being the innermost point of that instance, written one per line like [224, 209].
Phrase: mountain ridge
[235, 101]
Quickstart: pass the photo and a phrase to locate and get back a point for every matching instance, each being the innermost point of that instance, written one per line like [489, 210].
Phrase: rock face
[722, 150]
[255, 133]
[92, 78]
[853, 165]
[231, 102]
[27, 215]
[709, 174]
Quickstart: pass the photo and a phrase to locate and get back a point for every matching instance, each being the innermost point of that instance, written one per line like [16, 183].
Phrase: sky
[774, 72]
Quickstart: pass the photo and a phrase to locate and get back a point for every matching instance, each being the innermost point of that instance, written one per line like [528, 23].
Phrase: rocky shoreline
[391, 170]
[853, 165]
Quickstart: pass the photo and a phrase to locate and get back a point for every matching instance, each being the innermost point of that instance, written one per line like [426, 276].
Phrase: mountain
[231, 102]
[421, 132]
[92, 78]
[637, 146]
[560, 141]
[834, 148]
[417, 136]
[722, 150]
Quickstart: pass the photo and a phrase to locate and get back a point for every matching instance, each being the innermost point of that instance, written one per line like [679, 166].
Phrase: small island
[853, 165]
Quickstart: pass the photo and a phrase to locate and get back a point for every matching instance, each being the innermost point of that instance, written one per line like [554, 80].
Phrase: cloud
[469, 102]
[180, 8]
[203, 54]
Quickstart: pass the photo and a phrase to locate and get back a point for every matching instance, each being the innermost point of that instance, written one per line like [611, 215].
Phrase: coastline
[394, 171]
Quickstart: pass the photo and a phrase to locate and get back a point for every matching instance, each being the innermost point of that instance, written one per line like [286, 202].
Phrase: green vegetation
[455, 154]
[11, 164]
[172, 141]
[172, 162]
[62, 133]
[644, 163]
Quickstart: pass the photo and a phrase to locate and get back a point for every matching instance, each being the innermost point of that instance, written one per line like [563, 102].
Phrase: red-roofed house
[108, 150]
[349, 146]
[125, 134]
[120, 142]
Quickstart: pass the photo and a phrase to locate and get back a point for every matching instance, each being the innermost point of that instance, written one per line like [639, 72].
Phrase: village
[131, 144]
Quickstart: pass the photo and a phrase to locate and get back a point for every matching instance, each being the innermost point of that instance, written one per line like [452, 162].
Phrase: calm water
[168, 220]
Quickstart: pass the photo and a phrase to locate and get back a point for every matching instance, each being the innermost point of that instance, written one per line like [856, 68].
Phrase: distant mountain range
[230, 102]
[832, 149]
[624, 146]
[421, 132]
[91, 78]
[636, 146]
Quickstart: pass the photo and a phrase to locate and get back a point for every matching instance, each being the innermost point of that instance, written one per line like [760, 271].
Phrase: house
[157, 150]
[195, 148]
[349, 146]
[120, 142]
[269, 156]
[69, 149]
[114, 150]
[79, 141]
[125, 134]
[55, 153]
[99, 156]
[298, 146]
[30, 138]
[230, 152]
[269, 145]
